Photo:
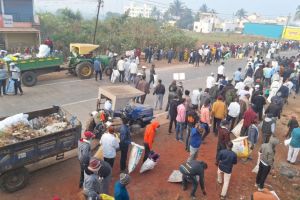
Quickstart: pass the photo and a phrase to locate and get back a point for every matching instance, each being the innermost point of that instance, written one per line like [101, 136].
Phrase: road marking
[77, 102]
[62, 82]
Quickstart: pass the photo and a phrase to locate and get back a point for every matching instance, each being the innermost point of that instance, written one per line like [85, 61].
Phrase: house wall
[21, 10]
[15, 40]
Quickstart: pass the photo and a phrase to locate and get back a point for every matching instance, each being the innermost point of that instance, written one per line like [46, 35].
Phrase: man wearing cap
[84, 153]
[225, 161]
[210, 81]
[15, 76]
[92, 183]
[120, 191]
[221, 71]
[110, 145]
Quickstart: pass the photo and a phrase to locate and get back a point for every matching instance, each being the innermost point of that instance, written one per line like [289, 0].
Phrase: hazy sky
[268, 8]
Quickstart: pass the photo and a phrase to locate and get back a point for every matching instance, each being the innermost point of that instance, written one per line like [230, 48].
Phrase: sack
[255, 169]
[10, 88]
[155, 80]
[14, 120]
[175, 177]
[237, 129]
[106, 197]
[265, 195]
[147, 165]
[135, 156]
[287, 142]
[99, 153]
[241, 147]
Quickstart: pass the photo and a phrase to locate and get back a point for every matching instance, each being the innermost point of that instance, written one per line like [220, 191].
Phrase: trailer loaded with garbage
[28, 138]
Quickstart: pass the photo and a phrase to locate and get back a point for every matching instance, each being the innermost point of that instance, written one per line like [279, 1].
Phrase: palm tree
[297, 14]
[203, 8]
[241, 13]
[176, 8]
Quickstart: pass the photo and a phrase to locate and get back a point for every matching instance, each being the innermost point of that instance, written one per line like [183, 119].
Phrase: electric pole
[286, 25]
[100, 4]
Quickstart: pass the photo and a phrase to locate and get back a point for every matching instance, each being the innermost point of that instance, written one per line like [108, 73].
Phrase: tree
[186, 20]
[112, 14]
[155, 13]
[241, 13]
[297, 14]
[176, 8]
[203, 8]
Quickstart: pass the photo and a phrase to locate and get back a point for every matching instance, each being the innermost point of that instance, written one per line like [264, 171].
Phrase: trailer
[15, 159]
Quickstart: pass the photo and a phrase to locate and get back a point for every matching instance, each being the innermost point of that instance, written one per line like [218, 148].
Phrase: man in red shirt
[250, 116]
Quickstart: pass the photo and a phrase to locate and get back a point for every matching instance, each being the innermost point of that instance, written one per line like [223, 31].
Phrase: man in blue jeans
[159, 91]
[15, 76]
[180, 119]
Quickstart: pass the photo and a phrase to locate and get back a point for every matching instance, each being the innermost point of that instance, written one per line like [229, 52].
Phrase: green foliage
[186, 20]
[118, 33]
[241, 13]
[297, 14]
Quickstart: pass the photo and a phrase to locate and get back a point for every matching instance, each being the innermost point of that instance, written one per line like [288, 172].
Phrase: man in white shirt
[234, 110]
[221, 71]
[15, 76]
[210, 81]
[110, 144]
[239, 86]
[244, 92]
[133, 70]
[195, 98]
[249, 81]
[120, 66]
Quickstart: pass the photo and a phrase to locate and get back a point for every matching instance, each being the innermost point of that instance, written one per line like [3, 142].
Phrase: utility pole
[286, 25]
[100, 4]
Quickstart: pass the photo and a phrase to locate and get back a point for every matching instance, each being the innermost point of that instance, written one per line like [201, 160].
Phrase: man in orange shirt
[218, 113]
[149, 137]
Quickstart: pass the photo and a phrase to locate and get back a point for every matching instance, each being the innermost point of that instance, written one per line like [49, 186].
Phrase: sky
[226, 8]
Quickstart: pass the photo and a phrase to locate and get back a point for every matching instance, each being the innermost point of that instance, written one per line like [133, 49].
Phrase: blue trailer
[15, 158]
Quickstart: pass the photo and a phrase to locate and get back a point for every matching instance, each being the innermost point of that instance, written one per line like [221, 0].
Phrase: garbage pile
[17, 128]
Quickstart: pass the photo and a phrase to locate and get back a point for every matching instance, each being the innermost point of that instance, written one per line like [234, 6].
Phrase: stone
[288, 171]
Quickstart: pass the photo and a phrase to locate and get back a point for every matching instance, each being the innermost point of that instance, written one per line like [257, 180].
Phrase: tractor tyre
[15, 179]
[29, 78]
[84, 70]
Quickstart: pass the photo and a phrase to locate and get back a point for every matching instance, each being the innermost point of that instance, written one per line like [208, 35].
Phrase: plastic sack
[175, 177]
[13, 120]
[287, 142]
[106, 197]
[10, 88]
[265, 195]
[44, 51]
[135, 156]
[99, 153]
[241, 147]
[237, 129]
[148, 165]
[255, 169]
[155, 80]
[115, 74]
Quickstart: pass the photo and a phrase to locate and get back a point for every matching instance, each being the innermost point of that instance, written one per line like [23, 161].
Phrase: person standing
[294, 146]
[180, 120]
[237, 76]
[3, 79]
[159, 91]
[223, 136]
[225, 161]
[170, 55]
[195, 98]
[190, 172]
[97, 68]
[172, 93]
[195, 142]
[84, 153]
[143, 86]
[15, 76]
[173, 113]
[125, 141]
[133, 71]
[221, 71]
[120, 66]
[234, 110]
[110, 145]
[210, 81]
[192, 119]
[127, 70]
[152, 73]
[249, 117]
[120, 191]
[218, 113]
[268, 127]
[292, 123]
[149, 136]
[105, 175]
[267, 151]
[259, 101]
[205, 118]
[92, 182]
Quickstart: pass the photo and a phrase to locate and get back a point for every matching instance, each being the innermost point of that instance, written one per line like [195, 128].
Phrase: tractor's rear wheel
[84, 70]
[15, 180]
[29, 78]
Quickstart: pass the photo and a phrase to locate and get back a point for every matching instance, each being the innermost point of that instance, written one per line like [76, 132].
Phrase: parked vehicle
[16, 158]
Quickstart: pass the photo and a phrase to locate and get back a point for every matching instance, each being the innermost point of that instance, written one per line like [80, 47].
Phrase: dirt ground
[62, 179]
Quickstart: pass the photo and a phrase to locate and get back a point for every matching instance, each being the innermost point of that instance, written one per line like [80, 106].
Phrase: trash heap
[17, 128]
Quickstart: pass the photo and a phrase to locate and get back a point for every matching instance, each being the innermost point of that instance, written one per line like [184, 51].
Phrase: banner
[291, 33]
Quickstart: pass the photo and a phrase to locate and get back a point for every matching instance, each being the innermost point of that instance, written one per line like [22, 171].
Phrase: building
[206, 23]
[138, 10]
[19, 27]
[229, 26]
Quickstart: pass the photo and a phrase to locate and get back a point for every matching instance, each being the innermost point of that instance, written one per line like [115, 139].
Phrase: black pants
[110, 161]
[147, 151]
[260, 112]
[3, 86]
[232, 120]
[123, 159]
[216, 125]
[172, 120]
[219, 76]
[82, 168]
[100, 75]
[193, 179]
[17, 86]
[122, 76]
[207, 130]
[143, 97]
[151, 79]
[262, 174]
[187, 141]
[244, 131]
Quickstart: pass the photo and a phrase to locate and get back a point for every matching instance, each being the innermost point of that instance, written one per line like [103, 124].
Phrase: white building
[229, 26]
[206, 23]
[138, 10]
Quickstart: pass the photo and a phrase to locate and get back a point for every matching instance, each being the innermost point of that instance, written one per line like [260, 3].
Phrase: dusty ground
[62, 179]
